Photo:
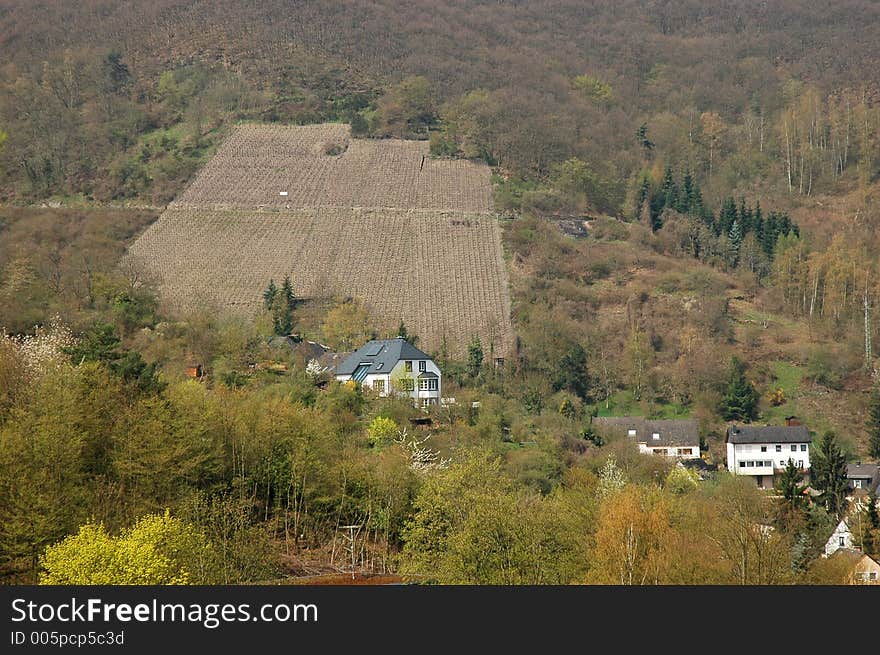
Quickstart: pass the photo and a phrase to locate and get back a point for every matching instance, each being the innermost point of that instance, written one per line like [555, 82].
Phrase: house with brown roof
[862, 568]
[677, 438]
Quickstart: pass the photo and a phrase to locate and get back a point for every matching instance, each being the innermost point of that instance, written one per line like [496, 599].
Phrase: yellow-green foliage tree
[347, 326]
[158, 549]
[472, 526]
[40, 472]
[381, 431]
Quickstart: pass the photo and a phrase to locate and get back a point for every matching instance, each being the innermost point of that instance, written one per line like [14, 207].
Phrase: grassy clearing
[623, 403]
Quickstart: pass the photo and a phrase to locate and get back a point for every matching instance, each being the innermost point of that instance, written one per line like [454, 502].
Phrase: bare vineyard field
[442, 272]
[259, 162]
[412, 237]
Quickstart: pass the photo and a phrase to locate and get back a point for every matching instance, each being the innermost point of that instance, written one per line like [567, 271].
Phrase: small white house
[394, 366]
[762, 452]
[678, 438]
[841, 538]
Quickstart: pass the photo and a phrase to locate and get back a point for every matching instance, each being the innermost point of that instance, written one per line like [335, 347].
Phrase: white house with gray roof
[678, 438]
[763, 451]
[394, 366]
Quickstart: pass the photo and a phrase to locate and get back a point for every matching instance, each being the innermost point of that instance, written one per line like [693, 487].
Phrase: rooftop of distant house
[669, 432]
[381, 355]
[749, 434]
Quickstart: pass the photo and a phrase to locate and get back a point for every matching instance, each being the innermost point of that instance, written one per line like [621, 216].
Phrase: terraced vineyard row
[322, 166]
[442, 272]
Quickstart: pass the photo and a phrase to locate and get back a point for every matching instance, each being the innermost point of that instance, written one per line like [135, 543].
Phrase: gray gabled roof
[768, 434]
[862, 470]
[677, 432]
[387, 353]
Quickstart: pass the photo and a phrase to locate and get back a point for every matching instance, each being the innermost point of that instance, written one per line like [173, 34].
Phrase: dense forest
[723, 158]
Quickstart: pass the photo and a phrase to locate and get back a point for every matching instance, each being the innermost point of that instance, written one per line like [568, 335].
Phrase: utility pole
[352, 539]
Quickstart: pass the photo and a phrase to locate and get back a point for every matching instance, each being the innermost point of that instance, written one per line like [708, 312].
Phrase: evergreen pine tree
[404, 334]
[735, 236]
[443, 356]
[874, 424]
[872, 512]
[745, 217]
[282, 315]
[726, 216]
[475, 357]
[758, 223]
[287, 292]
[571, 373]
[828, 474]
[740, 401]
[669, 189]
[687, 184]
[790, 485]
[269, 294]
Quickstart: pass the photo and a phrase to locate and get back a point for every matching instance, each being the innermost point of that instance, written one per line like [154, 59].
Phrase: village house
[394, 366]
[762, 452]
[862, 568]
[842, 537]
[862, 479]
[678, 438]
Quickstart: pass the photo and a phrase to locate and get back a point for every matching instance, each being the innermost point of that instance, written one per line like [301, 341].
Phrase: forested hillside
[689, 200]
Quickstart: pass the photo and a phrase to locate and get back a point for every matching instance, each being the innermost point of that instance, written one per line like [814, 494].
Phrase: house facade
[762, 452]
[394, 366]
[842, 537]
[862, 478]
[679, 439]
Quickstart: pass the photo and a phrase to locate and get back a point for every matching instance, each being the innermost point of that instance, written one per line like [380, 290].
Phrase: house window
[803, 447]
[685, 451]
[800, 463]
[432, 385]
[841, 541]
[407, 366]
[408, 384]
[857, 484]
[379, 385]
[742, 464]
[422, 364]
[778, 448]
[872, 575]
[631, 433]
[763, 449]
[656, 435]
[750, 464]
[794, 448]
[659, 451]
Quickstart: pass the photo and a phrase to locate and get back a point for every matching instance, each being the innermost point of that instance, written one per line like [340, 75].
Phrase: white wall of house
[679, 452]
[739, 456]
[389, 381]
[841, 538]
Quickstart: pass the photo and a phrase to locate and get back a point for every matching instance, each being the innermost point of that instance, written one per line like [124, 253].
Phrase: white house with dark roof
[394, 366]
[763, 451]
[862, 478]
[678, 438]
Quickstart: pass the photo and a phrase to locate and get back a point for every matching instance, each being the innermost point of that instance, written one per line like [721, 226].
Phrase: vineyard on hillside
[413, 237]
[322, 166]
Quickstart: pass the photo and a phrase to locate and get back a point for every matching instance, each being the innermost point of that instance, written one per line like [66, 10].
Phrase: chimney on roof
[792, 420]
